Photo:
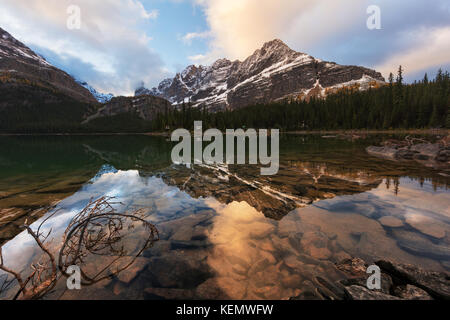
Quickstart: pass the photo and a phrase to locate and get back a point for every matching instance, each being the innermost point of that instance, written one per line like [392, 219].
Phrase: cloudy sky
[123, 42]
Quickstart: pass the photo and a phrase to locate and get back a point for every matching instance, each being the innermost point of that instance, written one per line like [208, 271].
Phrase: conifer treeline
[423, 104]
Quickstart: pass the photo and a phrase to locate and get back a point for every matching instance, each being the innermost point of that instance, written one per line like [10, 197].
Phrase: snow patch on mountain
[12, 48]
[100, 97]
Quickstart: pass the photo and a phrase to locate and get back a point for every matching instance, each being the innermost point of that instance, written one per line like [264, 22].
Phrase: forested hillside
[423, 104]
[33, 107]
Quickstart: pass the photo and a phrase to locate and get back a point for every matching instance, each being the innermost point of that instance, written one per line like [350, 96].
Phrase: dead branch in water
[44, 273]
[95, 231]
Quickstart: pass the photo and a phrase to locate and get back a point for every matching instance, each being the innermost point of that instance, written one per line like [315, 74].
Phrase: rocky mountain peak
[221, 63]
[275, 44]
[273, 72]
[191, 72]
[275, 48]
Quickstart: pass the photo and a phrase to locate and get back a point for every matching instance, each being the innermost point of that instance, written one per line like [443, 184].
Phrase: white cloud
[111, 48]
[188, 37]
[150, 15]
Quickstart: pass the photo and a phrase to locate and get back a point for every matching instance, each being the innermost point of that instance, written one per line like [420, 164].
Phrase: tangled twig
[95, 231]
[44, 274]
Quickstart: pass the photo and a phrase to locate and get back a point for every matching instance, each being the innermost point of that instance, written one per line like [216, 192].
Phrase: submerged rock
[391, 222]
[315, 244]
[426, 225]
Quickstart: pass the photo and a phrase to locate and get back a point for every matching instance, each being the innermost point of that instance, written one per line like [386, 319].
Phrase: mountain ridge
[273, 72]
[19, 61]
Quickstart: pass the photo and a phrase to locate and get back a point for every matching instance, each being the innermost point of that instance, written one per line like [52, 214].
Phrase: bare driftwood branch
[95, 231]
[44, 273]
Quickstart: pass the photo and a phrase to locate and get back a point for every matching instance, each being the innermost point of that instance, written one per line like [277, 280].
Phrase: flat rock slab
[391, 222]
[427, 225]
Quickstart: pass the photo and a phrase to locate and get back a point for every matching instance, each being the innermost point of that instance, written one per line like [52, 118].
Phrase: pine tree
[400, 76]
[391, 79]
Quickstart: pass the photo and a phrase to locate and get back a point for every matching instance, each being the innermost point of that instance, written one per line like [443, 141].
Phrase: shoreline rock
[399, 281]
[431, 153]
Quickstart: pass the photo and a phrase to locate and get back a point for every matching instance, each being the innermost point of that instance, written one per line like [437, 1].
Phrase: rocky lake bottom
[224, 232]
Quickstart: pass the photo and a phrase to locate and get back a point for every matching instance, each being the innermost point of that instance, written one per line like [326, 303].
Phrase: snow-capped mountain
[20, 62]
[100, 97]
[274, 72]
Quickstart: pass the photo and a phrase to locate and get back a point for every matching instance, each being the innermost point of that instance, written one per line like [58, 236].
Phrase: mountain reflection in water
[226, 232]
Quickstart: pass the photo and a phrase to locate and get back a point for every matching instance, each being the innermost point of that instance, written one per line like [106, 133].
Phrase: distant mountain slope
[19, 61]
[272, 73]
[100, 97]
[31, 108]
[144, 107]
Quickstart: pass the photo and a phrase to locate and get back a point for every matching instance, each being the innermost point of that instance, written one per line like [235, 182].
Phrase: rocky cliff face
[17, 61]
[146, 107]
[274, 72]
